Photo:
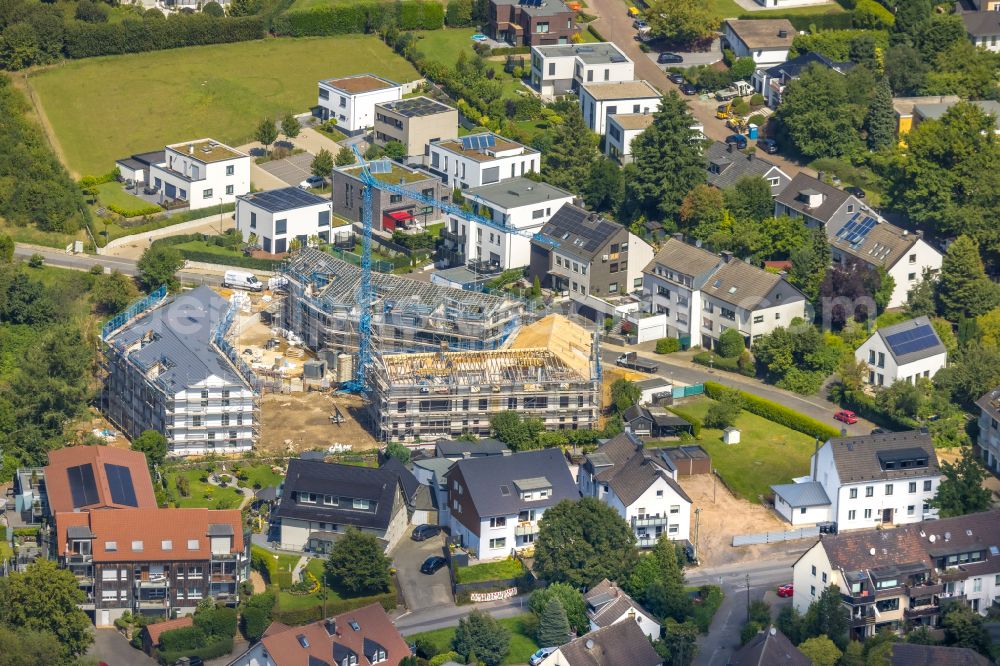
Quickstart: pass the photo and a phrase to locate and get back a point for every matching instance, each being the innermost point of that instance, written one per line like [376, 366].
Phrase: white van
[242, 280]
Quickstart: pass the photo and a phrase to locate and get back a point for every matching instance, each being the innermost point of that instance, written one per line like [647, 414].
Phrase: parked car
[878, 431]
[313, 182]
[676, 77]
[241, 280]
[639, 24]
[688, 89]
[539, 656]
[847, 416]
[768, 146]
[856, 191]
[432, 564]
[424, 532]
[668, 59]
[828, 527]
[737, 140]
[786, 590]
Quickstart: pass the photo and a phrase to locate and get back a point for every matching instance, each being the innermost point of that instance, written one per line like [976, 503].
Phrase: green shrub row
[333, 607]
[239, 260]
[841, 21]
[713, 360]
[216, 648]
[91, 181]
[134, 212]
[359, 18]
[695, 422]
[836, 44]
[510, 50]
[262, 562]
[25, 531]
[772, 411]
[711, 599]
[598, 36]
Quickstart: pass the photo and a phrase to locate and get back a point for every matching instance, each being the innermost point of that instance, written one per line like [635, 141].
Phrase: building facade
[557, 70]
[277, 217]
[531, 22]
[481, 159]
[600, 100]
[351, 100]
[907, 351]
[414, 122]
[201, 173]
[988, 442]
[390, 211]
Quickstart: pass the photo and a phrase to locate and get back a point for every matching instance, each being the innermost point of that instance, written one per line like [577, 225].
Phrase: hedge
[668, 345]
[359, 18]
[510, 50]
[809, 22]
[134, 212]
[693, 420]
[333, 607]
[85, 40]
[773, 411]
[262, 562]
[239, 260]
[211, 650]
[592, 30]
[713, 360]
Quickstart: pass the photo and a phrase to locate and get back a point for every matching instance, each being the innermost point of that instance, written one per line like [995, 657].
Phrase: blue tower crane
[365, 301]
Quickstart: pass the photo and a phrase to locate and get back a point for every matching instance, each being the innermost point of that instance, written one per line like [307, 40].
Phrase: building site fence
[137, 308]
[220, 341]
[774, 537]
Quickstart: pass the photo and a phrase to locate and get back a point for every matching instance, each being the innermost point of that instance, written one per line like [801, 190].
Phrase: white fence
[774, 537]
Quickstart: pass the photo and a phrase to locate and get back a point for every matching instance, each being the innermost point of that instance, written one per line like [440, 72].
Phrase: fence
[775, 537]
[686, 391]
[134, 310]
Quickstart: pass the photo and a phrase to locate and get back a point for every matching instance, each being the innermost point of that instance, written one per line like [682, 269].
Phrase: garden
[186, 488]
[522, 639]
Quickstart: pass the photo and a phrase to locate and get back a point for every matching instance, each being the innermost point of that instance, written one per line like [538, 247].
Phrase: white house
[600, 100]
[608, 604]
[904, 352]
[696, 296]
[622, 130]
[481, 159]
[868, 480]
[989, 429]
[563, 68]
[983, 28]
[279, 216]
[202, 173]
[521, 205]
[767, 41]
[641, 486]
[351, 100]
[770, 81]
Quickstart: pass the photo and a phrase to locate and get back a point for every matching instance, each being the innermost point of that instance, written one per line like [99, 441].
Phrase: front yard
[522, 641]
[502, 570]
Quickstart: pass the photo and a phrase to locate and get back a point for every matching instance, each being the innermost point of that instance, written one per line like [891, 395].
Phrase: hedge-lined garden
[773, 411]
[360, 18]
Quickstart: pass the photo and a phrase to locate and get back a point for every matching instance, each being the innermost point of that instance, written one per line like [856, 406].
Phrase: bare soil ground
[249, 333]
[725, 517]
[301, 422]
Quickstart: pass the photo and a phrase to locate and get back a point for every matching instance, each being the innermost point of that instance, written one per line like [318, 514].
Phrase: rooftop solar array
[380, 166]
[287, 198]
[478, 141]
[417, 106]
[914, 340]
[120, 482]
[82, 485]
[856, 229]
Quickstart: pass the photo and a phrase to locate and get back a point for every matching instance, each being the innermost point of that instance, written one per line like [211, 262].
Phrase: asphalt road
[84, 262]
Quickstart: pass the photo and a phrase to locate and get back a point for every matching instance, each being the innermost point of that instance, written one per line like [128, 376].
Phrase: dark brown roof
[910, 654]
[608, 603]
[833, 198]
[156, 630]
[769, 648]
[868, 549]
[57, 481]
[633, 468]
[856, 458]
[621, 644]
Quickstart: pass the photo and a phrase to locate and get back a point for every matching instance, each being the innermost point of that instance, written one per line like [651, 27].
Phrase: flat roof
[207, 150]
[590, 54]
[764, 33]
[485, 154]
[517, 192]
[632, 121]
[396, 175]
[415, 107]
[287, 198]
[621, 90]
[360, 83]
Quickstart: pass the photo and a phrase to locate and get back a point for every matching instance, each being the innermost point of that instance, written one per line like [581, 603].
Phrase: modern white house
[622, 128]
[559, 69]
[770, 81]
[989, 430]
[696, 296]
[278, 217]
[202, 173]
[903, 352]
[868, 481]
[641, 486]
[767, 41]
[608, 604]
[522, 205]
[351, 100]
[481, 159]
[600, 100]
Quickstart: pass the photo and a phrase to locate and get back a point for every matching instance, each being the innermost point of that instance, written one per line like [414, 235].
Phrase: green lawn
[260, 474]
[509, 568]
[522, 645]
[730, 9]
[768, 453]
[444, 45]
[202, 494]
[32, 235]
[219, 91]
[207, 246]
[114, 194]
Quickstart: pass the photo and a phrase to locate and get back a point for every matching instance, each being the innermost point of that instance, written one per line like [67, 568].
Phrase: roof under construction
[569, 341]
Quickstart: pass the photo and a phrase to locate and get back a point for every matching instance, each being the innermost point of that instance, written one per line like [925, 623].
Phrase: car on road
[539, 656]
[313, 182]
[786, 590]
[847, 416]
[432, 564]
[768, 146]
[737, 140]
[688, 89]
[856, 191]
[668, 59]
[676, 77]
[425, 532]
[878, 431]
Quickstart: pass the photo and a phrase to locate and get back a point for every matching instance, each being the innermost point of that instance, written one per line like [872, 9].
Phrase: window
[675, 508]
[911, 277]
[927, 486]
[659, 493]
[137, 546]
[111, 546]
[538, 214]
[824, 578]
[854, 493]
[871, 356]
[881, 359]
[230, 170]
[812, 590]
[207, 193]
[913, 258]
[542, 27]
[166, 544]
[109, 574]
[910, 510]
[758, 319]
[229, 189]
[280, 226]
[109, 595]
[868, 513]
[343, 102]
[330, 500]
[193, 544]
[851, 515]
[814, 570]
[977, 584]
[888, 489]
[552, 69]
[361, 503]
[869, 491]
[498, 543]
[913, 486]
[500, 521]
[850, 208]
[253, 220]
[324, 94]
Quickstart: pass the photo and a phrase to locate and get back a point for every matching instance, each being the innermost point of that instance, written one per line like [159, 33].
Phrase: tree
[574, 148]
[880, 122]
[818, 114]
[584, 542]
[827, 616]
[6, 249]
[963, 627]
[213, 9]
[24, 647]
[345, 156]
[667, 163]
[989, 328]
[971, 372]
[701, 211]
[722, 414]
[290, 127]
[45, 598]
[905, 69]
[244, 7]
[666, 596]
[809, 262]
[911, 18]
[19, 46]
[679, 644]
[681, 22]
[517, 433]
[394, 150]
[358, 564]
[731, 343]
[605, 186]
[478, 633]
[920, 299]
[569, 598]
[624, 394]
[91, 12]
[963, 289]
[750, 199]
[266, 133]
[398, 451]
[553, 627]
[158, 266]
[961, 491]
[112, 292]
[821, 651]
[153, 444]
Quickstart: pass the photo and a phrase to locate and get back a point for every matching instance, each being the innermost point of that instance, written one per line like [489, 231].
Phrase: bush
[693, 420]
[134, 212]
[713, 360]
[722, 415]
[667, 345]
[212, 649]
[262, 562]
[870, 15]
[185, 638]
[360, 18]
[444, 658]
[731, 343]
[836, 44]
[214, 9]
[36, 260]
[772, 411]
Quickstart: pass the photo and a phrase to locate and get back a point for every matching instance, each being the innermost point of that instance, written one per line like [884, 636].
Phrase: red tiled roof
[57, 480]
[155, 630]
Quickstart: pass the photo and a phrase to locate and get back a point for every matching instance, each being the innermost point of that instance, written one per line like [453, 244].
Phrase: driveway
[693, 58]
[420, 590]
[110, 646]
[292, 170]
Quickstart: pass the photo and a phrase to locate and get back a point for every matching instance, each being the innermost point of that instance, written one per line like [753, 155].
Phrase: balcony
[153, 603]
[649, 521]
[454, 237]
[153, 582]
[525, 529]
[225, 557]
[862, 620]
[924, 590]
[923, 611]
[647, 541]
[79, 558]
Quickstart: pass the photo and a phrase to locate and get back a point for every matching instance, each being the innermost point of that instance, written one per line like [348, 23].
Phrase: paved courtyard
[420, 590]
[292, 170]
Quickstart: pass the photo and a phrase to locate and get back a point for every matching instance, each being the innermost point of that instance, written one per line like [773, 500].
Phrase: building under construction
[408, 316]
[550, 371]
[171, 369]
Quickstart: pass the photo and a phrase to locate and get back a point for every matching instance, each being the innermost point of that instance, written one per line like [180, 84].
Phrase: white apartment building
[989, 429]
[902, 352]
[351, 100]
[767, 41]
[869, 481]
[600, 100]
[277, 217]
[641, 486]
[696, 296]
[520, 204]
[202, 173]
[560, 69]
[481, 159]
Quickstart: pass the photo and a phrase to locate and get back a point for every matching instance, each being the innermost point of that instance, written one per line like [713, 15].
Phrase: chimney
[729, 147]
[331, 626]
[190, 149]
[678, 236]
[782, 33]
[726, 255]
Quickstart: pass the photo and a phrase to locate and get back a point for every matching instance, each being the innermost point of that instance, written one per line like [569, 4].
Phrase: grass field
[730, 9]
[443, 46]
[509, 568]
[113, 194]
[105, 108]
[522, 645]
[768, 453]
[202, 494]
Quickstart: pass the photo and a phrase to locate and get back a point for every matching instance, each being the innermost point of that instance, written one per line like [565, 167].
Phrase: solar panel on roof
[82, 485]
[380, 166]
[120, 482]
[913, 340]
[849, 227]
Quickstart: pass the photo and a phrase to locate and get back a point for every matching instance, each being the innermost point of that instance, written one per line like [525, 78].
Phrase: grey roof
[546, 8]
[933, 347]
[990, 402]
[446, 448]
[436, 465]
[284, 199]
[607, 603]
[934, 110]
[769, 648]
[220, 529]
[580, 232]
[406, 479]
[981, 24]
[415, 107]
[621, 644]
[517, 192]
[459, 275]
[686, 259]
[79, 532]
[802, 184]
[635, 412]
[791, 69]
[912, 654]
[763, 33]
[612, 90]
[144, 160]
[268, 494]
[634, 469]
[484, 478]
[732, 165]
[590, 54]
[800, 495]
[857, 459]
[179, 336]
[653, 383]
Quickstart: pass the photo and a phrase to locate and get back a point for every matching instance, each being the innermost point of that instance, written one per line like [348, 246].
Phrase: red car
[847, 416]
[786, 590]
